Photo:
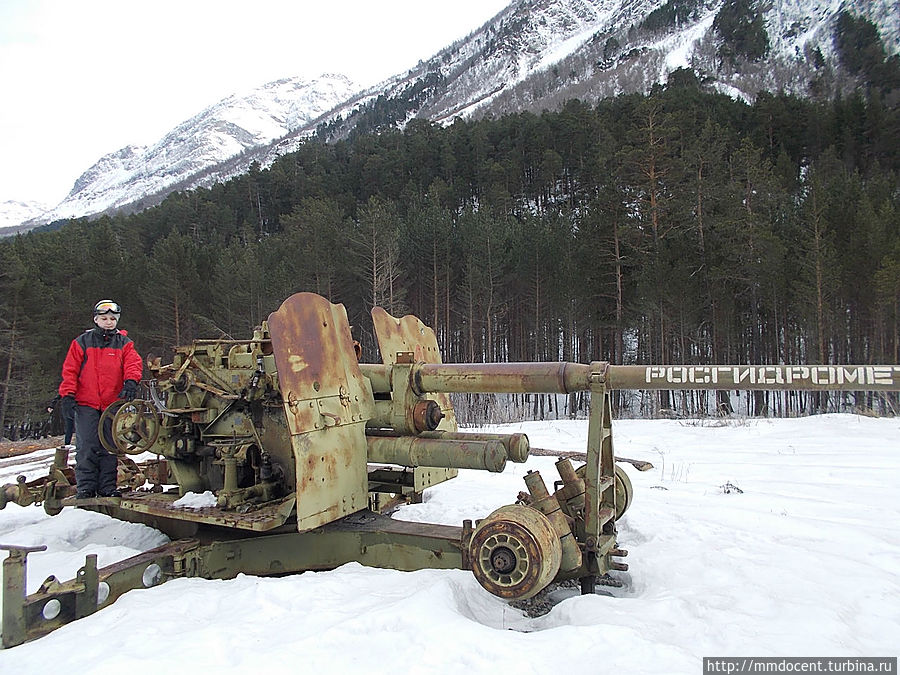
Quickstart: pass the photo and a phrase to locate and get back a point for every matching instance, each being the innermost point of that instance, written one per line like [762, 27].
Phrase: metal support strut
[14, 592]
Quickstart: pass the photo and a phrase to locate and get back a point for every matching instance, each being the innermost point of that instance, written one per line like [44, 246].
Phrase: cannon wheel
[624, 489]
[624, 492]
[515, 552]
[133, 427]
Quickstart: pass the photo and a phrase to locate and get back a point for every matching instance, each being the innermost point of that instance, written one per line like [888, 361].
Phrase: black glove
[67, 405]
[129, 391]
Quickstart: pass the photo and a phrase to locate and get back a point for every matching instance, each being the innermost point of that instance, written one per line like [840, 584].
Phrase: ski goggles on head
[107, 307]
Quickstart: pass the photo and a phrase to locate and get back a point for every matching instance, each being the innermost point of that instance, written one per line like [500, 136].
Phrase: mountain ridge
[223, 130]
[533, 54]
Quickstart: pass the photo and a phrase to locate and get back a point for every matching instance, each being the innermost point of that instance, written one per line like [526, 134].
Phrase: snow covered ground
[804, 560]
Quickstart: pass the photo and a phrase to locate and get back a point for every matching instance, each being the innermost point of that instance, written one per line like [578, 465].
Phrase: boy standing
[101, 366]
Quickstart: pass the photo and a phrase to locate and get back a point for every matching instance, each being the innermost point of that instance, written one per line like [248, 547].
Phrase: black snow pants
[95, 468]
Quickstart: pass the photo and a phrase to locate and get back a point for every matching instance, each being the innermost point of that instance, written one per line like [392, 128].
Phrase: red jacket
[97, 366]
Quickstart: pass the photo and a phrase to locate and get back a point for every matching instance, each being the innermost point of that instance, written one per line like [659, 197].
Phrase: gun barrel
[565, 377]
[821, 378]
[503, 378]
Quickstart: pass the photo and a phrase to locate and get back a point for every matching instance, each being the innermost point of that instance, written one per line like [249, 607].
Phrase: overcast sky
[81, 78]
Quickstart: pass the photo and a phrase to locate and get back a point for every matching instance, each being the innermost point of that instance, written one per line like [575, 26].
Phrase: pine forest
[678, 227]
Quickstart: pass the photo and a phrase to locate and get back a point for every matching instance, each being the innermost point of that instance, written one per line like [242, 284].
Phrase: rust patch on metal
[317, 367]
[326, 402]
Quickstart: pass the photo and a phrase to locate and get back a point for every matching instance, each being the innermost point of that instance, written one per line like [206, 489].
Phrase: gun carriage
[298, 448]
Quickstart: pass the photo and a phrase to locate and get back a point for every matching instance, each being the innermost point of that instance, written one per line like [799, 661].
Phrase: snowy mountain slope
[532, 40]
[226, 129]
[13, 213]
[542, 52]
[533, 55]
[538, 53]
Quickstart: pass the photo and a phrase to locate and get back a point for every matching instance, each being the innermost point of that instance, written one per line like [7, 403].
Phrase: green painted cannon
[298, 448]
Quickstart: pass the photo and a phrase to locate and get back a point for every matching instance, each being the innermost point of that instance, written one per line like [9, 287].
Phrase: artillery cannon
[298, 447]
